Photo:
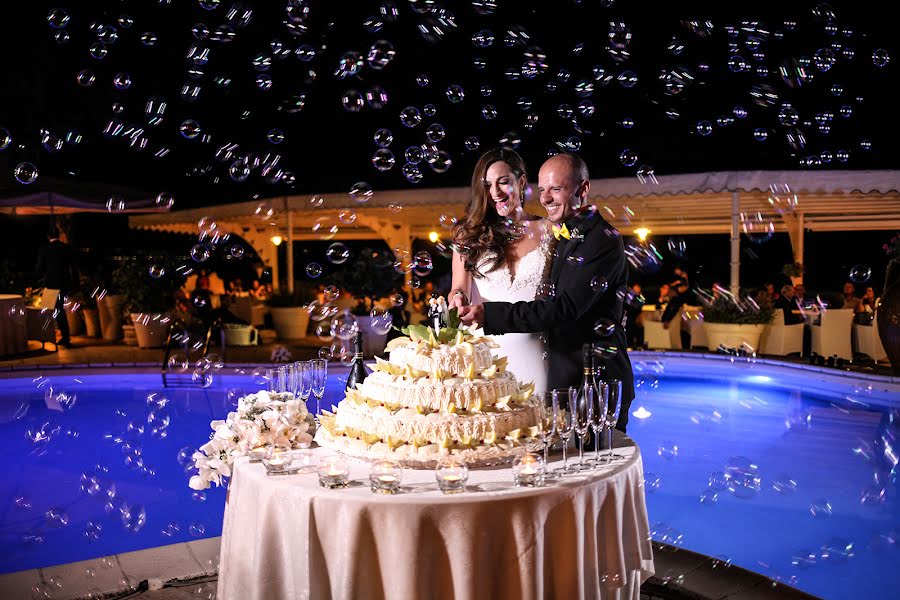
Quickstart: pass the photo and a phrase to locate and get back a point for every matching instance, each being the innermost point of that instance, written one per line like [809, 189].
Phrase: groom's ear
[584, 189]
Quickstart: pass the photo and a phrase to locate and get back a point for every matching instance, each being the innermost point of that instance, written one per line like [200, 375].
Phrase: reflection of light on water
[641, 413]
[759, 379]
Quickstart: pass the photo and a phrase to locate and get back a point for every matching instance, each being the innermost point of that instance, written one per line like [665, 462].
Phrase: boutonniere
[575, 235]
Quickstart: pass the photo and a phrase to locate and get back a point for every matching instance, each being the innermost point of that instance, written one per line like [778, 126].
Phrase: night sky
[220, 101]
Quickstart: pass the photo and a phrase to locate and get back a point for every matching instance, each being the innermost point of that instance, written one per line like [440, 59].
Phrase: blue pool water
[788, 472]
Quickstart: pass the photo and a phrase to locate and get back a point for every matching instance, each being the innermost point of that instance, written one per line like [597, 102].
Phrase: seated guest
[787, 302]
[258, 291]
[865, 312]
[799, 297]
[850, 299]
[663, 297]
[771, 292]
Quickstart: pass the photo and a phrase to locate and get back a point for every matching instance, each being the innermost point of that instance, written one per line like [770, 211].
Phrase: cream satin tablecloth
[12, 324]
[587, 536]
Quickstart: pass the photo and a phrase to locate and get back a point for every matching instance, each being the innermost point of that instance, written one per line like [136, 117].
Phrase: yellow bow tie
[563, 231]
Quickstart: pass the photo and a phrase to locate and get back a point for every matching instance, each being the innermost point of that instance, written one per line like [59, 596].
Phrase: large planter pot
[796, 279]
[291, 322]
[889, 314]
[151, 330]
[732, 335]
[76, 322]
[110, 308]
[91, 322]
[373, 341]
[240, 335]
[129, 338]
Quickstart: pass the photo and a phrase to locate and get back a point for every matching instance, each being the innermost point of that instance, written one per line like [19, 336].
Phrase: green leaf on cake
[453, 319]
[418, 332]
[446, 335]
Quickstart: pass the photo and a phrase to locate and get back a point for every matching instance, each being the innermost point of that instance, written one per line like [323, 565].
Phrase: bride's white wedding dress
[525, 350]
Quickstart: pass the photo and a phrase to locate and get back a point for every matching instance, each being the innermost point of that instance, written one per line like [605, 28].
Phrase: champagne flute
[598, 419]
[304, 380]
[271, 377]
[281, 380]
[549, 411]
[565, 423]
[582, 410]
[318, 374]
[294, 379]
[613, 411]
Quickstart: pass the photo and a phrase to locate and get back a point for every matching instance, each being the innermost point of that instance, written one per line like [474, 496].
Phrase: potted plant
[736, 322]
[794, 271]
[148, 286]
[289, 314]
[89, 311]
[367, 281]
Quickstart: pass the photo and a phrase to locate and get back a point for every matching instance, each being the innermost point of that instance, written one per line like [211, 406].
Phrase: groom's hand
[472, 315]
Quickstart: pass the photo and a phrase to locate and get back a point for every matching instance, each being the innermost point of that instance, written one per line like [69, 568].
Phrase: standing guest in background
[634, 326]
[865, 312]
[771, 292]
[56, 265]
[679, 274]
[850, 299]
[663, 297]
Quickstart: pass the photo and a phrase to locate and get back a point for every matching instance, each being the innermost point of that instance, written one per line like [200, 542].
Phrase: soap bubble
[381, 321]
[880, 57]
[836, 551]
[313, 270]
[92, 530]
[677, 246]
[709, 497]
[122, 81]
[58, 18]
[397, 300]
[57, 517]
[350, 64]
[412, 172]
[435, 132]
[198, 496]
[628, 158]
[410, 116]
[344, 326]
[667, 449]
[604, 328]
[383, 137]
[202, 378]
[651, 482]
[361, 192]
[381, 53]
[757, 227]
[326, 353]
[784, 485]
[148, 38]
[472, 143]
[422, 263]
[860, 273]
[704, 128]
[352, 101]
[347, 216]
[337, 253]
[383, 159]
[455, 94]
[200, 252]
[820, 508]
[178, 362]
[25, 173]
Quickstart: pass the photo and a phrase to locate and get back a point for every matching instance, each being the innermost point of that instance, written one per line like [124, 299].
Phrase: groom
[589, 274]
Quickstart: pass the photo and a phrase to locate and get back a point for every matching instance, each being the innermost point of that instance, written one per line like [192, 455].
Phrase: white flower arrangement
[261, 419]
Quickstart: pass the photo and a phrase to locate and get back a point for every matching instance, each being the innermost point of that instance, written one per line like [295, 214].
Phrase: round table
[584, 536]
[12, 324]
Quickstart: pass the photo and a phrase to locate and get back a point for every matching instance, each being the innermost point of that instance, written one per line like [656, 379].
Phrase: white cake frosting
[437, 394]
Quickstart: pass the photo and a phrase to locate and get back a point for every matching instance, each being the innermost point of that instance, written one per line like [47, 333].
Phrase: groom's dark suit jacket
[568, 318]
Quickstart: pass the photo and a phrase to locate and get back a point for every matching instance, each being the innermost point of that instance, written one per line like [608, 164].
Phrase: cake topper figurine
[437, 313]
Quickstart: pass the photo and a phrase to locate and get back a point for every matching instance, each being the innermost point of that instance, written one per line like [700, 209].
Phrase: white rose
[198, 483]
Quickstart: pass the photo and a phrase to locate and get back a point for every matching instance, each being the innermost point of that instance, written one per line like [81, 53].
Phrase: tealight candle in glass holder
[385, 477]
[278, 459]
[451, 474]
[528, 470]
[334, 471]
[258, 452]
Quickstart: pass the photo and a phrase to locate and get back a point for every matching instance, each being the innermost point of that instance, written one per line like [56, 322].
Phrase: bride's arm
[461, 287]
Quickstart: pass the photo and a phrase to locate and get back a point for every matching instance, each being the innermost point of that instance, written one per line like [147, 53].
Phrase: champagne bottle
[585, 400]
[358, 371]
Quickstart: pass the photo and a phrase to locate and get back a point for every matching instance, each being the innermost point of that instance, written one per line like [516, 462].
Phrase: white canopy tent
[714, 202]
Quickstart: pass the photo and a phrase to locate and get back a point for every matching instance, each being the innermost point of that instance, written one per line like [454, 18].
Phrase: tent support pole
[735, 283]
[795, 225]
[290, 247]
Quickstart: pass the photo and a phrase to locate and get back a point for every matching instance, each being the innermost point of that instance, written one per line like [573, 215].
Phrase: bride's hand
[457, 300]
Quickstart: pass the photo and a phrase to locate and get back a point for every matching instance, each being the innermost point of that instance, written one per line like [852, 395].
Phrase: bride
[501, 253]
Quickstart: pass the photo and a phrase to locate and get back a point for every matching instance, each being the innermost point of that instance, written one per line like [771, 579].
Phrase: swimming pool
[788, 471]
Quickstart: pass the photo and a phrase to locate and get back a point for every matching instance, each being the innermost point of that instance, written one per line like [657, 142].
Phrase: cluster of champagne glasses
[579, 411]
[302, 379]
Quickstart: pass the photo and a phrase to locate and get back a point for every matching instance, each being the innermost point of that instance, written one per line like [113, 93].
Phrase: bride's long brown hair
[482, 231]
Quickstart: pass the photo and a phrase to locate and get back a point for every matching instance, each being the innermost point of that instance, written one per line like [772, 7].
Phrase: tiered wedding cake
[439, 393]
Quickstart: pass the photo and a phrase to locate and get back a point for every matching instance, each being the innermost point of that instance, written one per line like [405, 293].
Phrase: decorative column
[735, 283]
[290, 247]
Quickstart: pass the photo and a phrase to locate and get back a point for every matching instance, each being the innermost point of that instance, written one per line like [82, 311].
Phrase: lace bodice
[500, 286]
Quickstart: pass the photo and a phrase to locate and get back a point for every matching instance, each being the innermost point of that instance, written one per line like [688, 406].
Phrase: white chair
[694, 317]
[867, 341]
[657, 337]
[779, 339]
[832, 335]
